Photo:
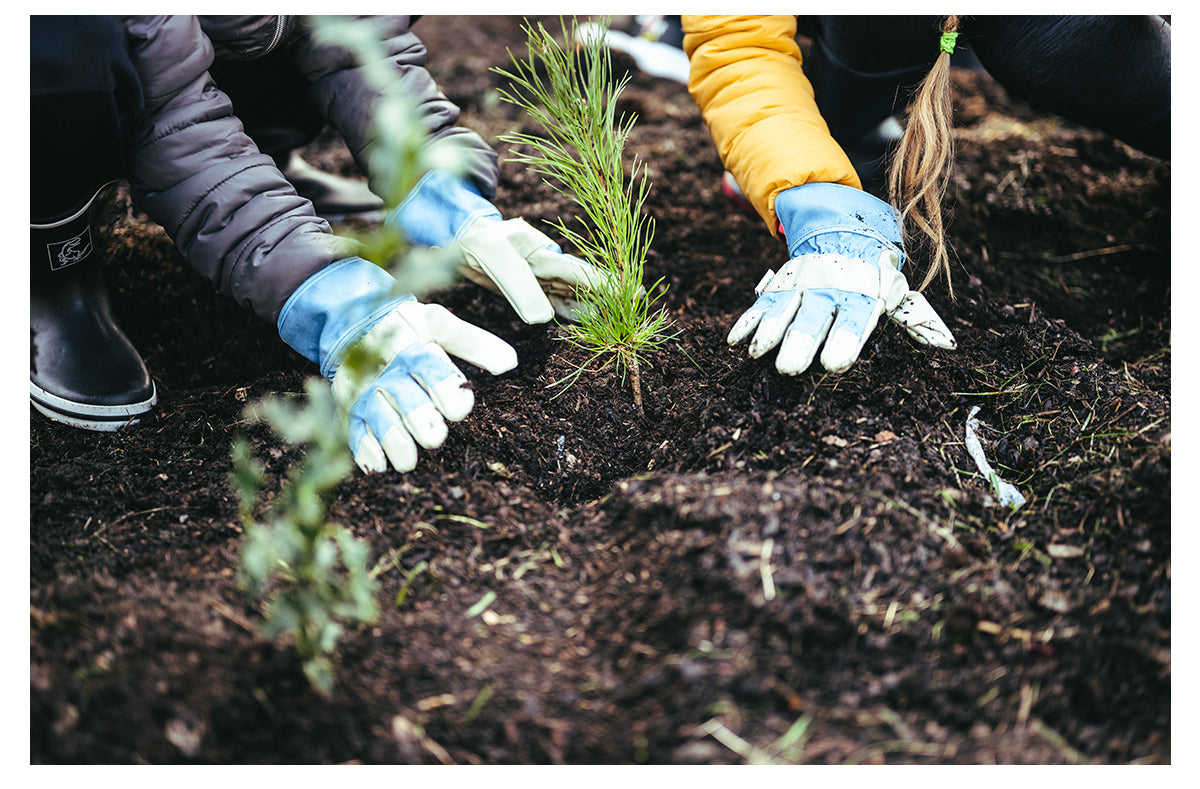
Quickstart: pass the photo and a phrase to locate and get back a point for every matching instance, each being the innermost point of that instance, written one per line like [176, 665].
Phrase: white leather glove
[400, 388]
[406, 400]
[832, 303]
[527, 268]
[844, 274]
[508, 257]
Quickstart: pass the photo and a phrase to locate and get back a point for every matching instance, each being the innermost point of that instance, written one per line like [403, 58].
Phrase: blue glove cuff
[336, 307]
[838, 219]
[438, 209]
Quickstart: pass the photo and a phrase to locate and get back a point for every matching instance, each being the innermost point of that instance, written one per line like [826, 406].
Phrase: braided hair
[918, 175]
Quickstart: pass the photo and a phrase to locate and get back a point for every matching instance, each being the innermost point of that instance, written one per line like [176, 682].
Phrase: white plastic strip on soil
[1007, 493]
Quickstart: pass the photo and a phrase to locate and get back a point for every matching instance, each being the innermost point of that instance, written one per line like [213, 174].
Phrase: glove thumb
[922, 323]
[468, 341]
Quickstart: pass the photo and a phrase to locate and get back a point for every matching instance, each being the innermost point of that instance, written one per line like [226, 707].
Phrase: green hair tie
[947, 43]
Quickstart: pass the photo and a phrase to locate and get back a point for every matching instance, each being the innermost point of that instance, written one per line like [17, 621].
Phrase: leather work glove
[411, 388]
[508, 257]
[846, 254]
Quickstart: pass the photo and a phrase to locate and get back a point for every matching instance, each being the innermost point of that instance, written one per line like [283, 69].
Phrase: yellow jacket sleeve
[747, 79]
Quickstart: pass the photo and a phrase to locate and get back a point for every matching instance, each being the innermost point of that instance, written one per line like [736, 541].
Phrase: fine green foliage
[579, 154]
[314, 572]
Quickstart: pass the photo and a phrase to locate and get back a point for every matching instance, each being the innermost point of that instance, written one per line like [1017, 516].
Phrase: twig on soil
[405, 730]
[1057, 740]
[233, 616]
[790, 745]
[141, 512]
[870, 753]
[482, 605]
[721, 734]
[481, 698]
[1076, 256]
[463, 519]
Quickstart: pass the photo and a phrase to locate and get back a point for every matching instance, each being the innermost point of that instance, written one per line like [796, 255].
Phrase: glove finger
[856, 319]
[566, 280]
[747, 323]
[488, 251]
[401, 450]
[751, 318]
[368, 454]
[397, 447]
[397, 402]
[372, 457]
[782, 308]
[566, 307]
[426, 387]
[468, 342]
[807, 331]
[922, 323]
[564, 274]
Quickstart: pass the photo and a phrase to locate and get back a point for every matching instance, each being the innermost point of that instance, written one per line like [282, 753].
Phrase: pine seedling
[579, 154]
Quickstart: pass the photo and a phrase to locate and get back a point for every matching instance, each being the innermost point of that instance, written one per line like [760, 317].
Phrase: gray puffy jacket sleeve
[345, 98]
[192, 168]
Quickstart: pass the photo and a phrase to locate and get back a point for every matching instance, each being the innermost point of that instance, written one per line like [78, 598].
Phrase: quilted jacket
[747, 79]
[225, 204]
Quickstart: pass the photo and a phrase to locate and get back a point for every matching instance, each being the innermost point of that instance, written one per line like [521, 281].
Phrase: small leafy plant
[314, 573]
[580, 155]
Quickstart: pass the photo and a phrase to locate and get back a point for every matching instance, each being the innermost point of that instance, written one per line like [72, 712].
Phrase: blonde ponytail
[919, 171]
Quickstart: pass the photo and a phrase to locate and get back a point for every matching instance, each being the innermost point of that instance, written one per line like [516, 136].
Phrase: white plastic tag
[762, 283]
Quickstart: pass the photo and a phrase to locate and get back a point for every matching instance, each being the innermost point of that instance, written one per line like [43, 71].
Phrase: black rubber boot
[83, 370]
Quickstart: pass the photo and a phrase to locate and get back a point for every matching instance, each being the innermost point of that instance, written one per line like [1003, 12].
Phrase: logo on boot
[71, 251]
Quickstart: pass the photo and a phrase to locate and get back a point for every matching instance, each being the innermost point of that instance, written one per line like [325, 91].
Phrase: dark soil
[804, 569]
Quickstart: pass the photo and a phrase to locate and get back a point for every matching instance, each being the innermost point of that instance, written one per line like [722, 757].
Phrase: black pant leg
[1112, 73]
[84, 92]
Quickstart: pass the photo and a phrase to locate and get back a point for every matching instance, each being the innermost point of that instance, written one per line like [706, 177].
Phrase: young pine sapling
[579, 154]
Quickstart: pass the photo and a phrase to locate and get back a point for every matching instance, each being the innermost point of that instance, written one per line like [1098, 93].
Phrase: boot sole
[101, 418]
[372, 216]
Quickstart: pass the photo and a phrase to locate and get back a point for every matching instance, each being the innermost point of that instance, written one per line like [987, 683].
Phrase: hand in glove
[411, 388]
[844, 273]
[508, 257]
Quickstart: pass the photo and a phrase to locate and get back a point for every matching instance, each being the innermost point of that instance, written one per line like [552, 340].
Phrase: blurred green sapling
[313, 574]
[313, 571]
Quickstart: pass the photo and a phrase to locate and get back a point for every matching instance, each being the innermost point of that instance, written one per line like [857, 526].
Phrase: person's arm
[747, 79]
[225, 204]
[845, 247]
[344, 96]
[443, 209]
[237, 220]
